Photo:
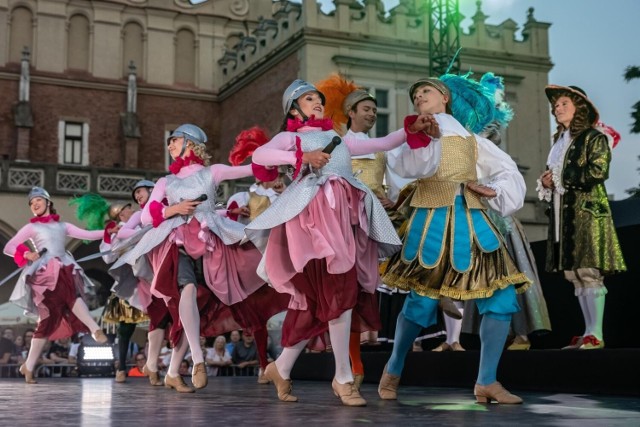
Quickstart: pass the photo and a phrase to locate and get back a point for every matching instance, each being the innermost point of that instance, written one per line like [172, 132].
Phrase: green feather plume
[91, 209]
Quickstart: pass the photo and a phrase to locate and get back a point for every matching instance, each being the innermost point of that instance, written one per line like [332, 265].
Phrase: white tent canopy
[11, 314]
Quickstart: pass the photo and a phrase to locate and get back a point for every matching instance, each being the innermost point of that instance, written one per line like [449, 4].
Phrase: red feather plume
[246, 143]
[335, 89]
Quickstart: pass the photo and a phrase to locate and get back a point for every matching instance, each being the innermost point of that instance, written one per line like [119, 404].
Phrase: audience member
[6, 346]
[245, 352]
[185, 368]
[234, 338]
[136, 371]
[217, 356]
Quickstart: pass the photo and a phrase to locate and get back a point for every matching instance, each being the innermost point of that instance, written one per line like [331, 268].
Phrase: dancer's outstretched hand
[426, 123]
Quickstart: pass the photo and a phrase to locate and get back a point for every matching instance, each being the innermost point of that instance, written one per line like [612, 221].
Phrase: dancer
[191, 245]
[51, 285]
[325, 234]
[582, 239]
[450, 247]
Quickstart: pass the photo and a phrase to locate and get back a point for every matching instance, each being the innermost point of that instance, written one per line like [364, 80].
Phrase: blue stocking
[493, 335]
[418, 312]
[406, 332]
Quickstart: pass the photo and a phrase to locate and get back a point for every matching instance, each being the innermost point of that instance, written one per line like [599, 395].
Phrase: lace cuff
[544, 194]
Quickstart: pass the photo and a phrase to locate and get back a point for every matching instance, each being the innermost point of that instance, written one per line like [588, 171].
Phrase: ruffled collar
[45, 219]
[181, 162]
[294, 124]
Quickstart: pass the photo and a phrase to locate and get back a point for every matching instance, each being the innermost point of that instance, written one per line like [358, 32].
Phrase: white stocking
[81, 311]
[339, 332]
[582, 299]
[190, 318]
[288, 357]
[177, 356]
[155, 345]
[454, 326]
[595, 306]
[37, 344]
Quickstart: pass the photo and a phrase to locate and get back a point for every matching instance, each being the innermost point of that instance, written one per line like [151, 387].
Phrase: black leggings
[125, 332]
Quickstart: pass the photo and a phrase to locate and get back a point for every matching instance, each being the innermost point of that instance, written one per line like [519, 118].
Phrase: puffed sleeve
[497, 170]
[416, 163]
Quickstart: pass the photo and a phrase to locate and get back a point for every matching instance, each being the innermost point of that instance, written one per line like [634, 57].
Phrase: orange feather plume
[246, 143]
[335, 88]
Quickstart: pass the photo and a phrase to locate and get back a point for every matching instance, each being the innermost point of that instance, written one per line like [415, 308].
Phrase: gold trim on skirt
[118, 310]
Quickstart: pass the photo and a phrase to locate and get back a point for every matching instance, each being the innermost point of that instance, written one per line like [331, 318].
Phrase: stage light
[95, 359]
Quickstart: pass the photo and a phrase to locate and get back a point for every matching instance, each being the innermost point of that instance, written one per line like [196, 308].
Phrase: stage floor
[238, 401]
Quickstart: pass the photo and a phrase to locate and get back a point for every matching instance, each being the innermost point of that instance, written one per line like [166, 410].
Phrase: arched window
[21, 33]
[78, 43]
[133, 48]
[185, 57]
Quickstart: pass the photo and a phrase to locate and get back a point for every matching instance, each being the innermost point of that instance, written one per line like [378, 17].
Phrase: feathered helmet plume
[476, 104]
[246, 143]
[91, 209]
[336, 89]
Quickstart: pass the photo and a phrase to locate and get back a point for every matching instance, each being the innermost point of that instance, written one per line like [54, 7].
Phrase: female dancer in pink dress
[190, 245]
[325, 234]
[51, 284]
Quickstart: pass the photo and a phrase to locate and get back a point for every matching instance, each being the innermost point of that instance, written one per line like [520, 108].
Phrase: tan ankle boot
[154, 377]
[121, 376]
[348, 393]
[28, 375]
[282, 386]
[178, 384]
[388, 387]
[261, 378]
[494, 391]
[199, 376]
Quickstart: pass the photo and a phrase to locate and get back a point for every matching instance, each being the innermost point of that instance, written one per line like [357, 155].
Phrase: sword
[18, 270]
[94, 256]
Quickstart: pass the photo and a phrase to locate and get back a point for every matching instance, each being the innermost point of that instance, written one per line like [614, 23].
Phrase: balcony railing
[62, 180]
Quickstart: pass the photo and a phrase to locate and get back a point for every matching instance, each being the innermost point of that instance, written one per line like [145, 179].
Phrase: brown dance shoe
[28, 375]
[357, 380]
[495, 391]
[442, 347]
[590, 342]
[457, 347]
[261, 378]
[283, 387]
[520, 343]
[199, 376]
[154, 377]
[575, 344]
[348, 393]
[121, 376]
[388, 387]
[178, 384]
[449, 308]
[99, 337]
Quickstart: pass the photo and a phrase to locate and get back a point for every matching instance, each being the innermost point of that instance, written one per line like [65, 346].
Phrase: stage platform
[240, 401]
[606, 371]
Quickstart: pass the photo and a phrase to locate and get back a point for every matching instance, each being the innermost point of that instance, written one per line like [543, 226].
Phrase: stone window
[21, 33]
[185, 58]
[78, 43]
[133, 48]
[73, 143]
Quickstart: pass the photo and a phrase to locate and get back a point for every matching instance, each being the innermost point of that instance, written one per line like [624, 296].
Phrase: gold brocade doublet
[372, 174]
[457, 166]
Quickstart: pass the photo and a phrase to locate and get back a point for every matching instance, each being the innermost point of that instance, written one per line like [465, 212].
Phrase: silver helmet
[39, 192]
[295, 91]
[143, 183]
[190, 133]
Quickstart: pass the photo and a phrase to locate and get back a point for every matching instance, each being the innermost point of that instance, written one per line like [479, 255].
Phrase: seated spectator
[136, 371]
[59, 351]
[6, 346]
[185, 368]
[217, 356]
[233, 339]
[245, 353]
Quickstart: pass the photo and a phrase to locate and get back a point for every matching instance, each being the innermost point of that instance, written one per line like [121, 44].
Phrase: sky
[591, 43]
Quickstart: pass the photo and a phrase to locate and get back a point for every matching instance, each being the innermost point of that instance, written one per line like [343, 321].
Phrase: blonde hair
[200, 150]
